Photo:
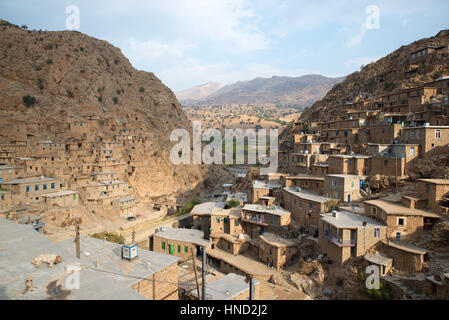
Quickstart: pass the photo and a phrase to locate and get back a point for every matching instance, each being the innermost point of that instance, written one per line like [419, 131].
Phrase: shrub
[49, 61]
[188, 206]
[141, 89]
[29, 100]
[69, 93]
[100, 99]
[233, 203]
[109, 236]
[115, 100]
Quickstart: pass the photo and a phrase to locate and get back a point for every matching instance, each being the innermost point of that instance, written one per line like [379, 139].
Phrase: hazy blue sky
[187, 43]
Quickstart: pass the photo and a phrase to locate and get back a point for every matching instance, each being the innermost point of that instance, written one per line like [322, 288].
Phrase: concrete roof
[207, 208]
[346, 176]
[226, 288]
[262, 209]
[265, 185]
[348, 220]
[435, 181]
[397, 209]
[405, 246]
[29, 180]
[233, 212]
[276, 240]
[304, 177]
[6, 167]
[59, 194]
[20, 244]
[377, 258]
[308, 195]
[360, 156]
[187, 235]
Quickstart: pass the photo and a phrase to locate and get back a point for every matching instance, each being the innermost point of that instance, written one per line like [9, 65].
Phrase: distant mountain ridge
[198, 92]
[294, 91]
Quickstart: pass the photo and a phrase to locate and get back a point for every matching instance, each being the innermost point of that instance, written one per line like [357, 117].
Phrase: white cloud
[153, 49]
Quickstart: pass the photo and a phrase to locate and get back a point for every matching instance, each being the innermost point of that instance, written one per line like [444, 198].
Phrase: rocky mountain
[196, 93]
[51, 82]
[390, 73]
[293, 91]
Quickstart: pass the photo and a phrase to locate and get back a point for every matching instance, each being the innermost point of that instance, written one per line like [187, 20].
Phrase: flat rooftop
[378, 259]
[263, 209]
[29, 180]
[207, 208]
[348, 220]
[345, 176]
[226, 288]
[308, 195]
[304, 177]
[276, 240]
[186, 235]
[233, 212]
[435, 181]
[61, 193]
[405, 246]
[20, 244]
[397, 209]
[265, 185]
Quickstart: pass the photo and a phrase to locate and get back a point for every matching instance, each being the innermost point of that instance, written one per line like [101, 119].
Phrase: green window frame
[163, 245]
[179, 248]
[236, 223]
[186, 249]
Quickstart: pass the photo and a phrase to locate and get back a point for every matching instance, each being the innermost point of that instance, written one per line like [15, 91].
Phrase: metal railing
[343, 243]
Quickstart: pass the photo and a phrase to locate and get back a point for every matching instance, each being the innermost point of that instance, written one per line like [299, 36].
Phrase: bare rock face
[50, 81]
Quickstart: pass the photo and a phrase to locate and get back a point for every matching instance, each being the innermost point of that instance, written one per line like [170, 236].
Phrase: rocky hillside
[190, 96]
[293, 91]
[392, 72]
[49, 80]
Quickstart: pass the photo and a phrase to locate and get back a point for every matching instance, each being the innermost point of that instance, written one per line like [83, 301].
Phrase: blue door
[262, 230]
[398, 236]
[349, 198]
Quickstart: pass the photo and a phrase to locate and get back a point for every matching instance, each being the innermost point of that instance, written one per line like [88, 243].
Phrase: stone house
[257, 219]
[406, 257]
[343, 187]
[201, 215]
[349, 164]
[428, 137]
[385, 132]
[5, 200]
[7, 173]
[32, 189]
[276, 251]
[309, 182]
[179, 242]
[402, 221]
[64, 198]
[343, 235]
[433, 191]
[306, 206]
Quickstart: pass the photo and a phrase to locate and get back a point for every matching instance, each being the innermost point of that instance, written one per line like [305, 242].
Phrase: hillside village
[350, 192]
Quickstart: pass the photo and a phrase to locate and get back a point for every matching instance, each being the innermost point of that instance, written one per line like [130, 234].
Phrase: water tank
[298, 189]
[335, 213]
[129, 252]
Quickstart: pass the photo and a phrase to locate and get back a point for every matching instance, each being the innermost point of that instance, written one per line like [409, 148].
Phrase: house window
[310, 205]
[385, 163]
[218, 219]
[374, 210]
[236, 223]
[163, 245]
[272, 220]
[3, 197]
[352, 184]
[427, 188]
[179, 248]
[186, 249]
[412, 151]
[334, 183]
[401, 221]
[36, 187]
[52, 185]
[27, 188]
[437, 134]
[300, 203]
[376, 233]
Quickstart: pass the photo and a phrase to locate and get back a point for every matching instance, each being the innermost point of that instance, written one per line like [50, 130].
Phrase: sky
[191, 42]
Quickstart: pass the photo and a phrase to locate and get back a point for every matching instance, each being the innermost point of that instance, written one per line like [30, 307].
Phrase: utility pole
[196, 275]
[251, 288]
[204, 274]
[77, 240]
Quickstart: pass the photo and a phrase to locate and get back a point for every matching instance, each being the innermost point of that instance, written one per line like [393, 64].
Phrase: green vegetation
[188, 206]
[207, 183]
[49, 61]
[233, 203]
[69, 93]
[29, 100]
[383, 293]
[141, 89]
[115, 100]
[109, 236]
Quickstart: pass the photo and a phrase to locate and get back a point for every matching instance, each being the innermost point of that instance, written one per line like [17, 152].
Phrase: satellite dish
[364, 223]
